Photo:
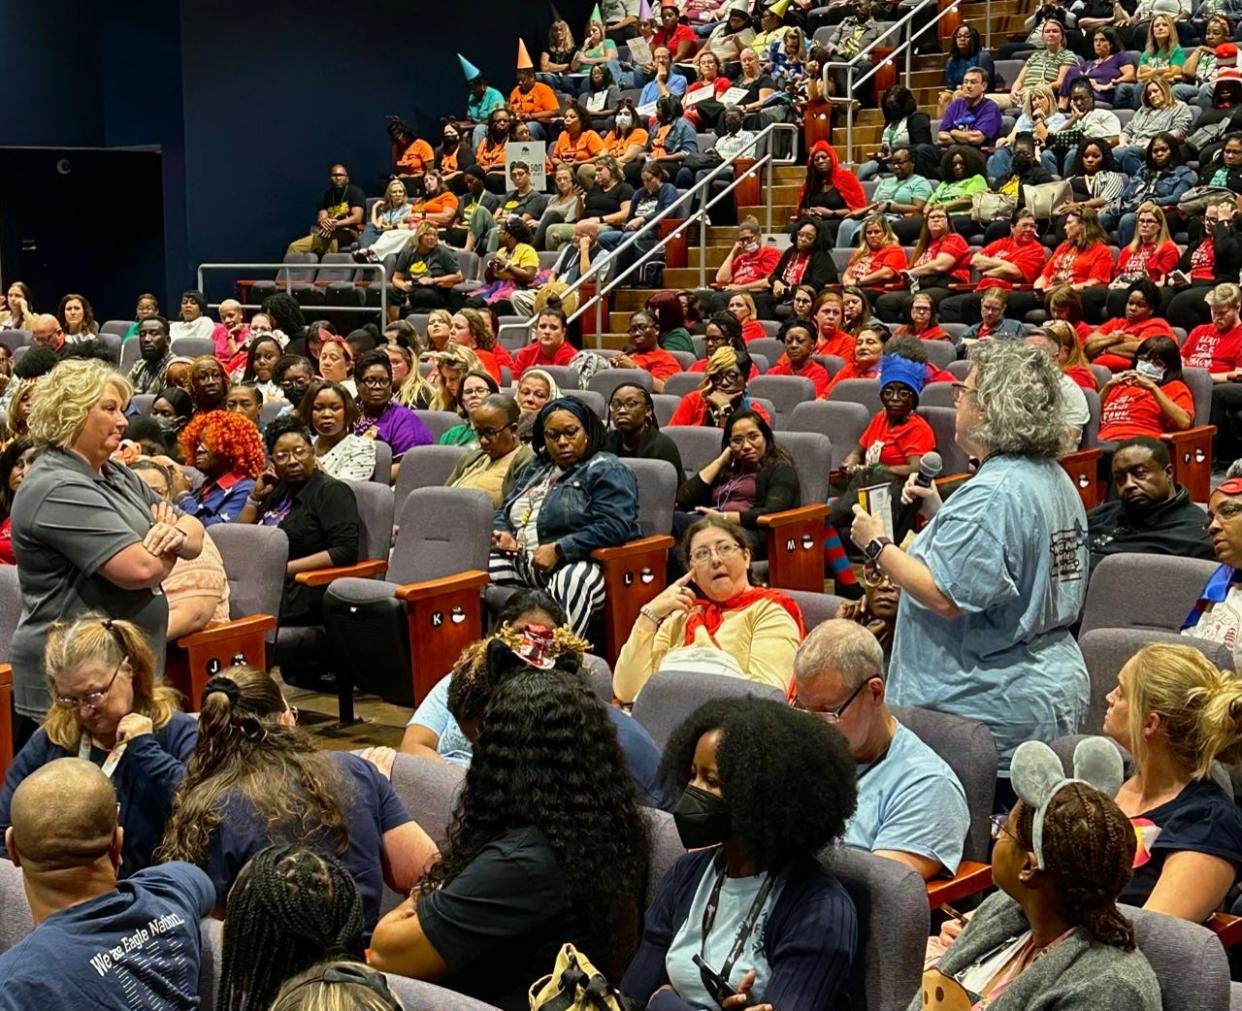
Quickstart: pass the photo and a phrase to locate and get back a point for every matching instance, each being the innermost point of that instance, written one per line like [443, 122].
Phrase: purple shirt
[984, 116]
[396, 425]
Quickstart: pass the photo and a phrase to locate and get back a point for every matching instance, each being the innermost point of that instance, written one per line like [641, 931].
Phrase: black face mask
[702, 819]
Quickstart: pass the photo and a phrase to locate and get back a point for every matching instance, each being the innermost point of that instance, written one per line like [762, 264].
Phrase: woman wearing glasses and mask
[714, 606]
[110, 709]
[318, 514]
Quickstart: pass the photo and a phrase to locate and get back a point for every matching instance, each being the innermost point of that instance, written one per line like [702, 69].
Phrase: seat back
[785, 393]
[254, 559]
[14, 339]
[769, 347]
[665, 405]
[893, 924]
[1107, 650]
[442, 531]
[337, 267]
[607, 380]
[968, 749]
[382, 473]
[680, 383]
[943, 421]
[303, 274]
[698, 446]
[16, 920]
[1137, 590]
[1091, 430]
[812, 457]
[859, 391]
[1200, 383]
[842, 421]
[426, 467]
[192, 347]
[816, 607]
[375, 509]
[130, 353]
[832, 363]
[10, 608]
[936, 395]
[415, 995]
[469, 264]
[593, 400]
[658, 481]
[672, 695]
[666, 848]
[940, 353]
[438, 422]
[566, 376]
[1188, 960]
[428, 789]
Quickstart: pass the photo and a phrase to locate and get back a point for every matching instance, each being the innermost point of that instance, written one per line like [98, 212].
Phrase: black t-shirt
[652, 445]
[752, 91]
[499, 924]
[533, 203]
[599, 202]
[338, 200]
[1200, 819]
[412, 263]
[829, 198]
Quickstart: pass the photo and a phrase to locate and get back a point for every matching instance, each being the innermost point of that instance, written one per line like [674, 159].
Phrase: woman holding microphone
[994, 581]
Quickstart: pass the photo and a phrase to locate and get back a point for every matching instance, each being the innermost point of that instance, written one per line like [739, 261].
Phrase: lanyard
[748, 924]
[111, 762]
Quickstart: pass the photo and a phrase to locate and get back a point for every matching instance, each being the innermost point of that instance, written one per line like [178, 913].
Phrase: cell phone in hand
[716, 985]
[1179, 277]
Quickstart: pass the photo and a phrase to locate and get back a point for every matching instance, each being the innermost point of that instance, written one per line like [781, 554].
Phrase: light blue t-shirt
[736, 897]
[910, 801]
[677, 85]
[1009, 548]
[433, 713]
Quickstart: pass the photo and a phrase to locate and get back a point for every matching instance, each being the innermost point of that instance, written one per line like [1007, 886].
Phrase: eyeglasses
[892, 392]
[491, 433]
[94, 700]
[831, 716]
[626, 405]
[642, 327]
[750, 438]
[999, 827]
[960, 390]
[701, 556]
[301, 453]
[873, 576]
[375, 382]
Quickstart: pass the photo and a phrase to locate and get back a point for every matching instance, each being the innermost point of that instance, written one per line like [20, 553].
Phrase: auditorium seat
[425, 467]
[842, 421]
[785, 393]
[1144, 591]
[670, 695]
[438, 422]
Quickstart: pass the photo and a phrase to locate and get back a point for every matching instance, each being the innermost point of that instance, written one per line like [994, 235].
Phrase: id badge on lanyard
[111, 762]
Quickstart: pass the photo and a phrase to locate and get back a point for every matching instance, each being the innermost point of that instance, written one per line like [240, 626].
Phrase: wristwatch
[874, 546]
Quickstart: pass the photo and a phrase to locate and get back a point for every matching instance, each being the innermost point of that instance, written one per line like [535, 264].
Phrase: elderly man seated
[1151, 513]
[97, 942]
[911, 806]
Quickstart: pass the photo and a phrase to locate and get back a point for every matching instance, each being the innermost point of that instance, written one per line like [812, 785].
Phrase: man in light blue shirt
[911, 807]
[666, 80]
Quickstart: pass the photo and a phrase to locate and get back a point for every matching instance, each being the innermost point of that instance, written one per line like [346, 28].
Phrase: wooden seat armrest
[970, 879]
[225, 630]
[794, 517]
[472, 579]
[1227, 928]
[362, 570]
[1196, 433]
[1191, 450]
[6, 675]
[658, 542]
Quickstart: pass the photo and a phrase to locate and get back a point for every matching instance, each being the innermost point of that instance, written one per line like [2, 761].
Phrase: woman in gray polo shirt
[88, 534]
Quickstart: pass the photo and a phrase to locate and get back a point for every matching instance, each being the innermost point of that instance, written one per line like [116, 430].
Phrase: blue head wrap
[895, 369]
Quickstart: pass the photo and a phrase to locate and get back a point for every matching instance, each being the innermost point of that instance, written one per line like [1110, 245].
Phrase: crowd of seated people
[1056, 258]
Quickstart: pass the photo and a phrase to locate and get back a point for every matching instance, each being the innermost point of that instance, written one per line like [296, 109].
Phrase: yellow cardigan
[762, 638]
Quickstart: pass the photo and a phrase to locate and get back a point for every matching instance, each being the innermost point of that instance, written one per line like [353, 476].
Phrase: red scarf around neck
[708, 614]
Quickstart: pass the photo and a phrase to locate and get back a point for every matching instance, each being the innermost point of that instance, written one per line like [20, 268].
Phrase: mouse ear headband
[1037, 776]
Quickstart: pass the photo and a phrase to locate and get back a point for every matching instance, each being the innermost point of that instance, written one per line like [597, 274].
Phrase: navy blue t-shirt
[1200, 819]
[371, 806]
[137, 947]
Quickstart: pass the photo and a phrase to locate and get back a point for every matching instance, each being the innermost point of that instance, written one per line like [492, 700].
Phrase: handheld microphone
[930, 467]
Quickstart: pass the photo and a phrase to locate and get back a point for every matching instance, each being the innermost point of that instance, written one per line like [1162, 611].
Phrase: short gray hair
[1018, 389]
[840, 645]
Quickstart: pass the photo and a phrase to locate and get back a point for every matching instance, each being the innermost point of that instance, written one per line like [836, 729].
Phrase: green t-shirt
[677, 339]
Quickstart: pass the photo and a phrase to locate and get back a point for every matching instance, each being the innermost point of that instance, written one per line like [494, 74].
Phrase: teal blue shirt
[478, 109]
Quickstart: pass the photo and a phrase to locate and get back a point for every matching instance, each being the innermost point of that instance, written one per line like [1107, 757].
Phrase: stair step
[716, 255]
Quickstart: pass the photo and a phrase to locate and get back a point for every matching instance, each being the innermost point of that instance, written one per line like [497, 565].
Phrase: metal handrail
[677, 206]
[286, 268]
[906, 47]
[876, 42]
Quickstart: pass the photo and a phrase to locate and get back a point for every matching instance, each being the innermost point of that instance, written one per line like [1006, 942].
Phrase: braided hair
[242, 749]
[1088, 848]
[290, 908]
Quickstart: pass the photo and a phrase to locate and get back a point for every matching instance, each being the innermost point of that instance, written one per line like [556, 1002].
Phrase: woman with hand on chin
[714, 606]
[102, 675]
[723, 391]
[766, 789]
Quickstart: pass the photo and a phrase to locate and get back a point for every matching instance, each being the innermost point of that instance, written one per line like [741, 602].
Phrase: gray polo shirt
[68, 521]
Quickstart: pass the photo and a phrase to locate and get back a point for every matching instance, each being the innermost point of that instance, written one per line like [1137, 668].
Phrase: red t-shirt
[1028, 257]
[812, 370]
[1203, 260]
[1069, 266]
[532, 357]
[693, 411]
[867, 262]
[1208, 348]
[1083, 376]
[752, 330]
[837, 343]
[1152, 260]
[891, 446]
[658, 362]
[490, 363]
[935, 332]
[1129, 411]
[851, 371]
[670, 42]
[751, 267]
[954, 245]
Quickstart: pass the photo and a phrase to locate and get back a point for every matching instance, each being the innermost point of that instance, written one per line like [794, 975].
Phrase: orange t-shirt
[490, 156]
[417, 157]
[839, 343]
[446, 201]
[587, 146]
[617, 146]
[540, 98]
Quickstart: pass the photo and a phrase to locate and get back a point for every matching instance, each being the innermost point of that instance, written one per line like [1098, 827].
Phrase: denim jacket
[592, 505]
[1164, 191]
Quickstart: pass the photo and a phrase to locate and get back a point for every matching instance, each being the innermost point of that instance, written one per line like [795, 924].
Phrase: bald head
[63, 815]
[839, 647]
[46, 330]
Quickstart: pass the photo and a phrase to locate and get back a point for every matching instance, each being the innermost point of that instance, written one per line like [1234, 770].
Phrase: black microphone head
[930, 465]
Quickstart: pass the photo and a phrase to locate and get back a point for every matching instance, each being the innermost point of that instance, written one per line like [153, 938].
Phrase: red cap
[1231, 486]
[1227, 51]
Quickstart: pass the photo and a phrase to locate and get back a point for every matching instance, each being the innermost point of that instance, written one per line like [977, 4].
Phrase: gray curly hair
[1018, 389]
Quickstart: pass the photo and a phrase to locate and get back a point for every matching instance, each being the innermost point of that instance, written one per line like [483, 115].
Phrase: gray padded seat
[567, 378]
[426, 467]
[940, 353]
[254, 559]
[605, 381]
[842, 421]
[697, 445]
[140, 404]
[665, 405]
[669, 696]
[859, 391]
[943, 421]
[785, 393]
[593, 399]
[1145, 591]
[1190, 964]
[193, 347]
[769, 347]
[438, 422]
[816, 607]
[681, 383]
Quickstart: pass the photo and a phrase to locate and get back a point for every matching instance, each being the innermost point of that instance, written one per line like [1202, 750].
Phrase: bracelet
[650, 615]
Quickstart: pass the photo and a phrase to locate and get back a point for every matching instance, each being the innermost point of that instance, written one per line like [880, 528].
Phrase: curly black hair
[547, 757]
[787, 776]
[286, 315]
[283, 425]
[972, 162]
